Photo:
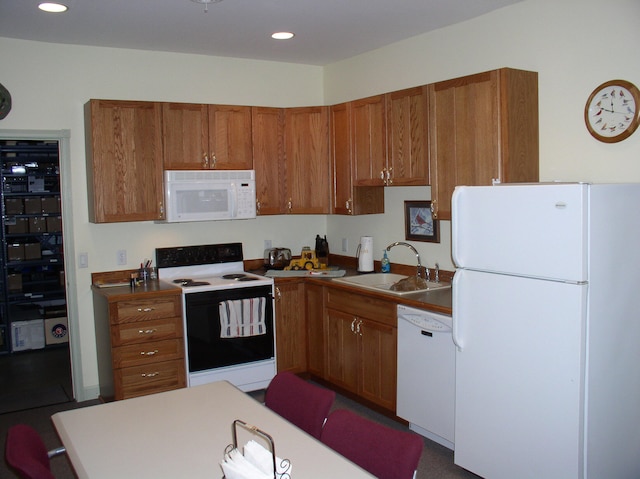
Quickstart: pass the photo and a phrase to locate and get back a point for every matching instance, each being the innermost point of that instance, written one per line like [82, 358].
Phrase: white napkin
[256, 463]
[236, 466]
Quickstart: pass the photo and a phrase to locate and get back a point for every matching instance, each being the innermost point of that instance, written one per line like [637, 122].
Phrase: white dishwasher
[426, 373]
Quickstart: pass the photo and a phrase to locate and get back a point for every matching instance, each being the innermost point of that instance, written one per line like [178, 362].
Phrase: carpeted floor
[436, 461]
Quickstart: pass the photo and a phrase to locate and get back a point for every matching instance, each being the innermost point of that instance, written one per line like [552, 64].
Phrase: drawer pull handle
[149, 353]
[150, 375]
[145, 310]
[147, 331]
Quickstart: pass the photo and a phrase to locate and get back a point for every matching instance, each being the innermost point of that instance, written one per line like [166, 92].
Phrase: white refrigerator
[546, 321]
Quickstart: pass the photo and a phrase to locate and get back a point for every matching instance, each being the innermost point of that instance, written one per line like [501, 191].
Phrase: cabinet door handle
[434, 209]
[205, 161]
[348, 205]
[258, 205]
[145, 310]
[213, 160]
[389, 180]
[383, 174]
[149, 353]
[353, 325]
[358, 330]
[147, 331]
[278, 294]
[289, 205]
[150, 375]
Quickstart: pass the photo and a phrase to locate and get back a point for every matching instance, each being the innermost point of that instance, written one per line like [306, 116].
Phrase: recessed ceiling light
[282, 35]
[53, 7]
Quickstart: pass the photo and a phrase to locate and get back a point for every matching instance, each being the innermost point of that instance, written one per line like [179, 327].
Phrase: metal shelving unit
[32, 285]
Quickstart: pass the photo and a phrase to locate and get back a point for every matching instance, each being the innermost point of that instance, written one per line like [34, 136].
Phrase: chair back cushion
[384, 452]
[299, 402]
[26, 453]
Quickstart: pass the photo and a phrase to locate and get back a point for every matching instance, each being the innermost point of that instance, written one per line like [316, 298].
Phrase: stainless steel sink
[383, 281]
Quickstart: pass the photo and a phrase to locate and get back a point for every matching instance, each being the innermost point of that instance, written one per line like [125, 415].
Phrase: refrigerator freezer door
[534, 230]
[519, 370]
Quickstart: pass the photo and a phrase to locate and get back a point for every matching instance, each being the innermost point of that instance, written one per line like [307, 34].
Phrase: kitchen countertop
[438, 300]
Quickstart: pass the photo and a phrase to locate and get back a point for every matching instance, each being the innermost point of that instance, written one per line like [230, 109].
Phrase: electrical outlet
[267, 244]
[122, 257]
[345, 245]
[83, 260]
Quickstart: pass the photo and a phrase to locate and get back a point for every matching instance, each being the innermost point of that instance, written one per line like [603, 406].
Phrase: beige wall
[50, 84]
[559, 39]
[574, 45]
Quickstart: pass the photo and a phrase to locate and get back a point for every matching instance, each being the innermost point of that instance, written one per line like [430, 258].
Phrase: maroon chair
[26, 453]
[299, 402]
[384, 452]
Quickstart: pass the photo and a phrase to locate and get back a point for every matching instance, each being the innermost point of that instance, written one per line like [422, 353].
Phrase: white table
[183, 433]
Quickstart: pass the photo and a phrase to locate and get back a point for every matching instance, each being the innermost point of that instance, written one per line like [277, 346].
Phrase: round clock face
[611, 112]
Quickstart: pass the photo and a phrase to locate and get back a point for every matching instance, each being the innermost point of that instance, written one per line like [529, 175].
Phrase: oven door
[206, 349]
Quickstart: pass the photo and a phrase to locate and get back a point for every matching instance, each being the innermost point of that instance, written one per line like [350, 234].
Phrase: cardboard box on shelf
[13, 206]
[14, 281]
[15, 252]
[51, 204]
[33, 205]
[32, 251]
[54, 224]
[17, 225]
[27, 335]
[36, 183]
[38, 224]
[56, 330]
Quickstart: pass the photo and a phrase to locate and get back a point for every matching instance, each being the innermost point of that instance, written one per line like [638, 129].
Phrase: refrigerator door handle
[455, 308]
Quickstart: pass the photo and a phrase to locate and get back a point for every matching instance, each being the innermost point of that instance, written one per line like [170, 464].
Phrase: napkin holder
[285, 465]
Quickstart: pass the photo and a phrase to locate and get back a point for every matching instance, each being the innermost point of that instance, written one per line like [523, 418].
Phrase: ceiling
[326, 30]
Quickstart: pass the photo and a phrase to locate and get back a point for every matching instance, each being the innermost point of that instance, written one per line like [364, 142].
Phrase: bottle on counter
[386, 266]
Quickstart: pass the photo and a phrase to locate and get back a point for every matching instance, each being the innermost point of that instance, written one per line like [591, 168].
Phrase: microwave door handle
[233, 204]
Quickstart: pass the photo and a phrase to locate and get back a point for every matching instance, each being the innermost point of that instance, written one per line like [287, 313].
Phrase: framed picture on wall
[419, 223]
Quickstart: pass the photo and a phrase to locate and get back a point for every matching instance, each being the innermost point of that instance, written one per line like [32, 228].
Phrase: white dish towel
[241, 318]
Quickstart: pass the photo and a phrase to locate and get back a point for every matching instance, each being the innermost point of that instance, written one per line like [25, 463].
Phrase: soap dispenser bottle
[386, 266]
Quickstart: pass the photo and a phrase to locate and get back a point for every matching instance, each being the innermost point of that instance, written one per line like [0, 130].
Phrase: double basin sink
[383, 282]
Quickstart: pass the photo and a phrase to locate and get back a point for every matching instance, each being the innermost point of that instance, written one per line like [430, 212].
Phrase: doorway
[35, 359]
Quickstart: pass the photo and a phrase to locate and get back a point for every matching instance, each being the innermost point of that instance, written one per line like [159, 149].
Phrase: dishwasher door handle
[426, 333]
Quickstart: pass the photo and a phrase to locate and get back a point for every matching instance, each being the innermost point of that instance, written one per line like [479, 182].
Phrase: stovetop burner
[190, 282]
[238, 277]
[234, 276]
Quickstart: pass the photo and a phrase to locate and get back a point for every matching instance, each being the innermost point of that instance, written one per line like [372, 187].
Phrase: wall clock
[611, 112]
[5, 102]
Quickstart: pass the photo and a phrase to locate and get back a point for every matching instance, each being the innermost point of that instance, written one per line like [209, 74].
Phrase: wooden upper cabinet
[124, 156]
[268, 158]
[200, 136]
[483, 129]
[407, 137]
[342, 203]
[185, 132]
[369, 141]
[230, 137]
[307, 170]
[347, 198]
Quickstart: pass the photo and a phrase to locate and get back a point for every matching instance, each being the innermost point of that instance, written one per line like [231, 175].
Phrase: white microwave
[206, 195]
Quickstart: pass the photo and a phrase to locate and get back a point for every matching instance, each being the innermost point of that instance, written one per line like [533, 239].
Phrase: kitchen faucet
[419, 268]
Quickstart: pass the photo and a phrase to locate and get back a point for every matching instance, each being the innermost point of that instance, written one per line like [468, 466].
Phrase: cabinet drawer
[150, 379]
[362, 305]
[147, 353]
[146, 309]
[141, 332]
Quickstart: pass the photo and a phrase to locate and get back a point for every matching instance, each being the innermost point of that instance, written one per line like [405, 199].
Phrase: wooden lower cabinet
[361, 342]
[291, 335]
[140, 343]
[316, 353]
